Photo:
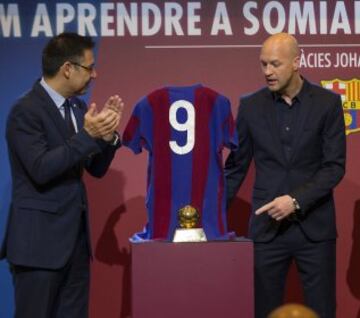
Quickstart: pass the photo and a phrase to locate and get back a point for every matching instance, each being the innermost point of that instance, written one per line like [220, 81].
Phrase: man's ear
[66, 69]
[296, 63]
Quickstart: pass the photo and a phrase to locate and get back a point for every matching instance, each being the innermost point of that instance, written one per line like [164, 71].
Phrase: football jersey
[184, 129]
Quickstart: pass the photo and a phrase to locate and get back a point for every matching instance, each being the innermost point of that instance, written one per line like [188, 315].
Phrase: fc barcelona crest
[350, 97]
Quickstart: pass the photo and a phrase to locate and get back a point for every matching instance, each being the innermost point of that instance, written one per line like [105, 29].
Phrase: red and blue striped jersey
[184, 129]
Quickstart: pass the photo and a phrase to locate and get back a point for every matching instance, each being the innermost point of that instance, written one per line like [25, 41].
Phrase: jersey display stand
[212, 279]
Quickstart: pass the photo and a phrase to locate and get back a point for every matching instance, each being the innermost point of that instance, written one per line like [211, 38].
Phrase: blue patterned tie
[68, 120]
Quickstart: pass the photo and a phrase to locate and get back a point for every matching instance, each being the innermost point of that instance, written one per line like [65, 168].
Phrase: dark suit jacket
[48, 195]
[316, 166]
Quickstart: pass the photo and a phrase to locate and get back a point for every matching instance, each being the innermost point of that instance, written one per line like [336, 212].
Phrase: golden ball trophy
[188, 219]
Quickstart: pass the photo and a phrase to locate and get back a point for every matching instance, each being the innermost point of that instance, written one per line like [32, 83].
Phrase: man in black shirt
[294, 131]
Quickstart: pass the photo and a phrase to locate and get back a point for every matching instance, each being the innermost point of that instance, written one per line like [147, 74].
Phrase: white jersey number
[188, 126]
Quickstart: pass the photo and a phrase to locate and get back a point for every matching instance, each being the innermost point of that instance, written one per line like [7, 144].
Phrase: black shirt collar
[305, 89]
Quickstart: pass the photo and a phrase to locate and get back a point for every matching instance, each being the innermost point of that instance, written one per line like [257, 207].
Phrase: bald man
[294, 130]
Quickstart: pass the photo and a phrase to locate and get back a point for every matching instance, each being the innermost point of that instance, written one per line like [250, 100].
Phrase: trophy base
[189, 235]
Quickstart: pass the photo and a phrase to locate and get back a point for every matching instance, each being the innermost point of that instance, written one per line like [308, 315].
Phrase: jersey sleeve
[133, 133]
[230, 138]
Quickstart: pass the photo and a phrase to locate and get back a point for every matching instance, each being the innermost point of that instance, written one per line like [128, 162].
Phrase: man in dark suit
[294, 131]
[52, 138]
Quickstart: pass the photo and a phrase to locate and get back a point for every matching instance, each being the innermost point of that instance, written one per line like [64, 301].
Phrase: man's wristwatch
[296, 213]
[296, 205]
[115, 139]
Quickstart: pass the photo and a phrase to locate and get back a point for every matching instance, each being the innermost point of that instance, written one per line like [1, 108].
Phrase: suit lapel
[52, 110]
[271, 118]
[55, 114]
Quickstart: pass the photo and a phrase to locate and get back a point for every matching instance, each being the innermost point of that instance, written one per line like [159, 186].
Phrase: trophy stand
[194, 280]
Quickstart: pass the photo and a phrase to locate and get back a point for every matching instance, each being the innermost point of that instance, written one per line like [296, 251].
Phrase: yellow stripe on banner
[347, 91]
[353, 90]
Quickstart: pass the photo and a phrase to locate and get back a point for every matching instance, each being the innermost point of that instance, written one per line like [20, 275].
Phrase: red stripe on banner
[204, 103]
[229, 121]
[159, 101]
[231, 125]
[220, 199]
[130, 129]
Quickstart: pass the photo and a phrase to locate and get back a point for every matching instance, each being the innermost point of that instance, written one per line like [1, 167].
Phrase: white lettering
[357, 16]
[302, 18]
[279, 27]
[106, 19]
[340, 19]
[148, 8]
[123, 18]
[313, 60]
[251, 18]
[86, 17]
[65, 13]
[323, 17]
[173, 14]
[10, 21]
[188, 126]
[349, 60]
[221, 20]
[193, 18]
[41, 22]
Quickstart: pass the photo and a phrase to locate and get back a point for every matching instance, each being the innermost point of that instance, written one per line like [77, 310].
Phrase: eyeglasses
[90, 68]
